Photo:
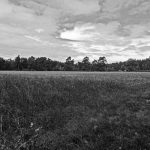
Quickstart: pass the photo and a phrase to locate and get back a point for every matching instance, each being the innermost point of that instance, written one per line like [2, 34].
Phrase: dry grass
[75, 111]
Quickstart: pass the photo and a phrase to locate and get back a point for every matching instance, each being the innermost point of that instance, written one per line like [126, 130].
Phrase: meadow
[74, 111]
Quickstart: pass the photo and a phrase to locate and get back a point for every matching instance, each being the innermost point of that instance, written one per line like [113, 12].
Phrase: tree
[31, 63]
[46, 64]
[69, 64]
[99, 65]
[102, 60]
[24, 63]
[86, 65]
[86, 60]
[18, 62]
[94, 65]
[41, 64]
[102, 63]
[132, 65]
[49, 64]
[2, 64]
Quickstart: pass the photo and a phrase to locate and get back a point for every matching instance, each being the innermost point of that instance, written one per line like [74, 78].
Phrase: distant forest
[46, 64]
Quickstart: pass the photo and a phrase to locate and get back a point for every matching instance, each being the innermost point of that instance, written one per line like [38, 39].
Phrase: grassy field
[74, 111]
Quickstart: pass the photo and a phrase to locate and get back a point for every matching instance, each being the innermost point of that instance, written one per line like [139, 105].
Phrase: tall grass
[74, 113]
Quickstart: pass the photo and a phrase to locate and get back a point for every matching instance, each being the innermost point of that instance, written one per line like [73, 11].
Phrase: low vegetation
[74, 111]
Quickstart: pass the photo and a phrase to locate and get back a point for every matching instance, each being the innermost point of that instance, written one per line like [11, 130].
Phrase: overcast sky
[117, 29]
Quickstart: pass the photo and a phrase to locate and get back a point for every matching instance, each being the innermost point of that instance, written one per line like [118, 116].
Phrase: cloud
[117, 5]
[75, 7]
[143, 8]
[91, 32]
[107, 39]
[37, 39]
[39, 30]
[117, 29]
[79, 33]
[5, 8]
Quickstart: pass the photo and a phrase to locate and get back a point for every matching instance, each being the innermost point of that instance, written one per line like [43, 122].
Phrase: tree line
[46, 64]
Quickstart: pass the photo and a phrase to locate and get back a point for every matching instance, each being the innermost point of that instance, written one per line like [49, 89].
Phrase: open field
[74, 111]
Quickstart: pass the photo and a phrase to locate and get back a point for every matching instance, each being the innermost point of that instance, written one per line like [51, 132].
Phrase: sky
[116, 29]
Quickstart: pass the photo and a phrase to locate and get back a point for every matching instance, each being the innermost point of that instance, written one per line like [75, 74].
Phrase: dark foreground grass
[111, 112]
